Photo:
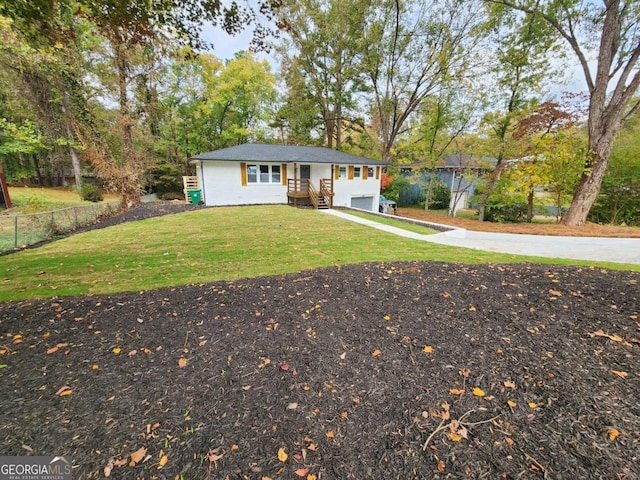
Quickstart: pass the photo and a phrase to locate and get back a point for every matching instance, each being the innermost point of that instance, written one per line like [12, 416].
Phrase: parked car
[387, 206]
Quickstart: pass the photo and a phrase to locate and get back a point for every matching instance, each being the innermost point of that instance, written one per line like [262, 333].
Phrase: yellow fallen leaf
[53, 350]
[454, 437]
[376, 353]
[612, 433]
[533, 405]
[311, 476]
[428, 349]
[478, 392]
[66, 392]
[282, 455]
[95, 367]
[455, 391]
[511, 403]
[182, 362]
[163, 461]
[387, 317]
[330, 434]
[137, 456]
[620, 374]
[116, 351]
[234, 448]
[472, 308]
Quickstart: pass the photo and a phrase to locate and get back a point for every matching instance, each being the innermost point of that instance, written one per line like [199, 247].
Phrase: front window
[356, 172]
[343, 172]
[263, 174]
[370, 172]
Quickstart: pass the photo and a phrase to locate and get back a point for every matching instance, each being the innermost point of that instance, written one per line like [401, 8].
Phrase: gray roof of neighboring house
[257, 152]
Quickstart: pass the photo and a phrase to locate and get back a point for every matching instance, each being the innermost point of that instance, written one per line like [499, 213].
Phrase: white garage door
[365, 203]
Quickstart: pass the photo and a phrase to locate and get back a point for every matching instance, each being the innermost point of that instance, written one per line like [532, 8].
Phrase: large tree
[610, 31]
[324, 49]
[414, 50]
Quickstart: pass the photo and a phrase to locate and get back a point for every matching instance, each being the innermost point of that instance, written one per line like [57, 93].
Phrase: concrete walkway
[617, 250]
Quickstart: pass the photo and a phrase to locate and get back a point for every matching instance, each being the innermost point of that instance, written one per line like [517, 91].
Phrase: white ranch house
[251, 174]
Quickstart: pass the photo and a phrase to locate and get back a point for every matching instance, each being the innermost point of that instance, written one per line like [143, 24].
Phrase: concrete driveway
[617, 250]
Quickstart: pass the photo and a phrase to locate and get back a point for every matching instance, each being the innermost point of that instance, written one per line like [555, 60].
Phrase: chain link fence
[17, 231]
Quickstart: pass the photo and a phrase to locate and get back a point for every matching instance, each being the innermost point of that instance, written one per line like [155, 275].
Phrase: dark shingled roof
[257, 152]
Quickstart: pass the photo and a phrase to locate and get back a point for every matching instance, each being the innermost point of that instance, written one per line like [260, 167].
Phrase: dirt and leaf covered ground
[540, 227]
[398, 370]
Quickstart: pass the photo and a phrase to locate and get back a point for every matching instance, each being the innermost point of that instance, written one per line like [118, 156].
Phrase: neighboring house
[252, 174]
[456, 171]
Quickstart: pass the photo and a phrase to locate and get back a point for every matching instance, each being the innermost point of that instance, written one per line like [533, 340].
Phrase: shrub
[91, 193]
[506, 213]
[171, 196]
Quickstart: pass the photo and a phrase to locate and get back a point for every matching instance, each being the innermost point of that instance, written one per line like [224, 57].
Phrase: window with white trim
[370, 173]
[356, 172]
[263, 173]
[343, 172]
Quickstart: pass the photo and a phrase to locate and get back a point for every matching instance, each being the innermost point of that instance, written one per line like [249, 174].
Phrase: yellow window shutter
[377, 173]
[336, 172]
[243, 173]
[350, 172]
[365, 172]
[284, 173]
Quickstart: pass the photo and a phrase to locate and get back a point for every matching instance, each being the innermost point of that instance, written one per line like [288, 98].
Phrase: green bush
[506, 213]
[91, 193]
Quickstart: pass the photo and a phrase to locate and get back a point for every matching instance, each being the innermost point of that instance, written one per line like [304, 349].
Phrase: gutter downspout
[204, 195]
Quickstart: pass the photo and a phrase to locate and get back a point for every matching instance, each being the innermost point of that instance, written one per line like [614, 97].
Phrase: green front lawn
[216, 244]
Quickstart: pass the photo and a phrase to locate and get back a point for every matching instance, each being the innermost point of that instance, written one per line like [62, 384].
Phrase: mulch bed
[395, 371]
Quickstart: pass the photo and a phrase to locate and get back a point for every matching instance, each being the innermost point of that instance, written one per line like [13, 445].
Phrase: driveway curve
[616, 250]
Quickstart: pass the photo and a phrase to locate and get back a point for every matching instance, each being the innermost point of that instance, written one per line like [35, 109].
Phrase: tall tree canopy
[610, 29]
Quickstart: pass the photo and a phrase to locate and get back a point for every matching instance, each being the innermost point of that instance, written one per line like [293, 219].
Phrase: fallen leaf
[132, 353]
[311, 476]
[163, 461]
[428, 349]
[440, 466]
[66, 392]
[620, 374]
[234, 448]
[330, 434]
[612, 433]
[454, 437]
[511, 403]
[313, 447]
[61, 391]
[302, 472]
[509, 384]
[533, 405]
[282, 455]
[387, 317]
[137, 456]
[343, 355]
[455, 391]
[509, 441]
[116, 351]
[478, 392]
[376, 353]
[555, 293]
[472, 308]
[284, 367]
[53, 350]
[182, 362]
[292, 406]
[95, 367]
